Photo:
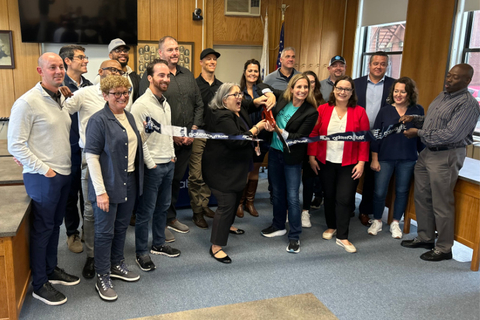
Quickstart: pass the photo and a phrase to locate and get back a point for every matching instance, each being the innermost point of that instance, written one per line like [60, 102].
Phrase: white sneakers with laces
[306, 219]
[395, 230]
[375, 228]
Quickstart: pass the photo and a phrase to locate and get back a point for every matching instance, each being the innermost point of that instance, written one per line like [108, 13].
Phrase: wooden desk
[467, 209]
[14, 250]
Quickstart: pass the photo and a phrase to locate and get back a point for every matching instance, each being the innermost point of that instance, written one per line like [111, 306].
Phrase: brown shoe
[240, 213]
[250, 196]
[207, 212]
[199, 220]
[364, 219]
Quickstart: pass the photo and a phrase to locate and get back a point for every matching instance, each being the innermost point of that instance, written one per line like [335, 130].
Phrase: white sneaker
[375, 228]
[395, 230]
[306, 219]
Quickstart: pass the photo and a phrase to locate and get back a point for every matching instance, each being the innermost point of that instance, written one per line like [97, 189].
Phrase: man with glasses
[85, 102]
[119, 50]
[372, 92]
[75, 63]
[336, 68]
[186, 103]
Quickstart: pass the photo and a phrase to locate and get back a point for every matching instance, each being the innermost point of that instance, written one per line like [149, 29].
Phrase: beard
[124, 64]
[162, 86]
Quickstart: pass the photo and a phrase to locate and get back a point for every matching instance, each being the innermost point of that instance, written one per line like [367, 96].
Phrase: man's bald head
[51, 69]
[46, 57]
[459, 77]
[466, 68]
[110, 67]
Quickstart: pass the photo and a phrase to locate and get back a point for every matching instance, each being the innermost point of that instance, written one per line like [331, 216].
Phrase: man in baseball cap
[336, 68]
[119, 50]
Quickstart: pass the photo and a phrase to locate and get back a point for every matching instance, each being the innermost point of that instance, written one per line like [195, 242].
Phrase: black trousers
[183, 158]
[224, 216]
[339, 196]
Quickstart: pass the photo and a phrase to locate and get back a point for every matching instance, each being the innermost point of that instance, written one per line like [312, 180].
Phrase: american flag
[280, 47]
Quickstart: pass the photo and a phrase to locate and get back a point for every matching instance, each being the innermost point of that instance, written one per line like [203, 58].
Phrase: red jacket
[353, 152]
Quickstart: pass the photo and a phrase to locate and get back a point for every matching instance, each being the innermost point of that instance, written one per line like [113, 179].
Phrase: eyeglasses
[119, 50]
[236, 95]
[119, 94]
[81, 58]
[114, 70]
[347, 90]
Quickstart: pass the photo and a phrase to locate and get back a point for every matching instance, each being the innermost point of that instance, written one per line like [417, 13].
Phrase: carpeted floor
[301, 306]
[381, 281]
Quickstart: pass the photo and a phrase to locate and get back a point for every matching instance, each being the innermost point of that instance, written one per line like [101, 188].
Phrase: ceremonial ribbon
[359, 136]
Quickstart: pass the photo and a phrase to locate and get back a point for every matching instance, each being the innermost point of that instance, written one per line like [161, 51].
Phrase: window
[471, 55]
[388, 38]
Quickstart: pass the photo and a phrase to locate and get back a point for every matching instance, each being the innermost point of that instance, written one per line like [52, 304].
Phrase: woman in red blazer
[340, 163]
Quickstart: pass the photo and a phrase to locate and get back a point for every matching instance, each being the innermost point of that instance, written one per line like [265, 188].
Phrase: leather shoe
[364, 219]
[225, 259]
[199, 220]
[89, 269]
[207, 212]
[238, 231]
[435, 255]
[415, 243]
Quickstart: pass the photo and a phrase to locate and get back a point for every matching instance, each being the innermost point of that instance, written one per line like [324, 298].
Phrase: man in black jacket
[372, 92]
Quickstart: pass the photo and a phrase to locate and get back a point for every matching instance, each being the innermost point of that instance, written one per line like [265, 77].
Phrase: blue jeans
[285, 181]
[49, 200]
[111, 229]
[403, 173]
[156, 198]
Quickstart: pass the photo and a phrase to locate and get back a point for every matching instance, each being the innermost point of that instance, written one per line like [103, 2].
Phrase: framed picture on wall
[7, 60]
[147, 51]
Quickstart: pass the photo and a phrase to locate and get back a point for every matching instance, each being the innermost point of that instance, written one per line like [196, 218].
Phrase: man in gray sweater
[38, 137]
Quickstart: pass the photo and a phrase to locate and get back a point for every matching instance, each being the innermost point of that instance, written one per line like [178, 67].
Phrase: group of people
[128, 175]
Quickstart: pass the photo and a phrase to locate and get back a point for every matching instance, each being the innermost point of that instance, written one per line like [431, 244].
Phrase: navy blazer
[225, 163]
[105, 136]
[361, 90]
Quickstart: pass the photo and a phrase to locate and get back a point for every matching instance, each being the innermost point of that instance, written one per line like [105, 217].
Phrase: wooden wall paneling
[332, 33]
[231, 30]
[293, 27]
[25, 75]
[350, 33]
[309, 53]
[190, 30]
[208, 23]
[7, 92]
[426, 45]
[274, 17]
[144, 20]
[163, 19]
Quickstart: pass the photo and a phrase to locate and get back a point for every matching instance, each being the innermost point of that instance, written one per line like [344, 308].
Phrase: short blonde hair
[111, 82]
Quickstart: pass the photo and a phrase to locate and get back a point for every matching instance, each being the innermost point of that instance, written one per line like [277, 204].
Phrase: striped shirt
[450, 120]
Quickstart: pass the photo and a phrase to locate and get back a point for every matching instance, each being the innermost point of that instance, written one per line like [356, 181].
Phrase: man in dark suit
[372, 92]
